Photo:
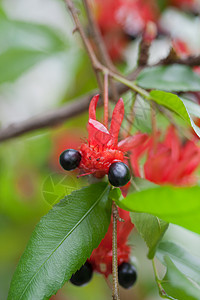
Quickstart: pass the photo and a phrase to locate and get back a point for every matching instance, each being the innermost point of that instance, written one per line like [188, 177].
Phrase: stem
[88, 47]
[131, 85]
[97, 66]
[154, 127]
[99, 42]
[101, 48]
[158, 281]
[115, 292]
[106, 100]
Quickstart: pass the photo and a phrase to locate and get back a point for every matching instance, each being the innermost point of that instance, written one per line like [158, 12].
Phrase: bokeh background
[42, 66]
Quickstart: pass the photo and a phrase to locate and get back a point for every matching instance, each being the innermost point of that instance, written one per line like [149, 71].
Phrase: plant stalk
[115, 291]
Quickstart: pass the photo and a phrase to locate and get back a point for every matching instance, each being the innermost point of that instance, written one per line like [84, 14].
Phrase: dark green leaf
[169, 78]
[174, 103]
[186, 262]
[179, 206]
[61, 243]
[177, 285]
[150, 228]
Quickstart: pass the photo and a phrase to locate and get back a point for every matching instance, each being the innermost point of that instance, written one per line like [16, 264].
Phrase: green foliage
[177, 78]
[174, 103]
[61, 243]
[186, 262]
[192, 107]
[177, 285]
[16, 61]
[179, 206]
[151, 229]
[22, 45]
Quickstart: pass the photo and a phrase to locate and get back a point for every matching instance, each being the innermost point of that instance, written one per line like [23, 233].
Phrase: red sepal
[92, 107]
[117, 118]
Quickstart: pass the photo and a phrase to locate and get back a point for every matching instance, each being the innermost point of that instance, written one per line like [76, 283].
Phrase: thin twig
[57, 116]
[115, 292]
[88, 47]
[101, 48]
[99, 42]
[51, 118]
[191, 61]
[106, 100]
[95, 63]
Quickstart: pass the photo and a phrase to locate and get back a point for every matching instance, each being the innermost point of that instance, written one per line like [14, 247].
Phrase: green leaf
[192, 107]
[15, 62]
[169, 78]
[174, 103]
[61, 243]
[186, 262]
[22, 45]
[177, 285]
[179, 206]
[150, 228]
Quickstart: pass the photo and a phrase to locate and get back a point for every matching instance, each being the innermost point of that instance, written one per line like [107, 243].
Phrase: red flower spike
[92, 107]
[170, 163]
[116, 122]
[117, 19]
[101, 258]
[103, 148]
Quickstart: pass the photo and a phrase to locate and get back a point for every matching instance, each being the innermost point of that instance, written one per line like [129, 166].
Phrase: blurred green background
[44, 65]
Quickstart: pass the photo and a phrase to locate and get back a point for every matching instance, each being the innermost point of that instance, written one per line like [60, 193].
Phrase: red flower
[169, 161]
[103, 147]
[119, 18]
[101, 258]
[131, 16]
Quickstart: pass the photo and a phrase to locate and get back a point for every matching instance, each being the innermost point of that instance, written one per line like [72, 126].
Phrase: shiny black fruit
[82, 276]
[70, 159]
[127, 275]
[119, 174]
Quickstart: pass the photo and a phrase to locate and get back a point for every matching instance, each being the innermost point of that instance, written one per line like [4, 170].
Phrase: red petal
[132, 141]
[98, 133]
[172, 141]
[92, 107]
[117, 118]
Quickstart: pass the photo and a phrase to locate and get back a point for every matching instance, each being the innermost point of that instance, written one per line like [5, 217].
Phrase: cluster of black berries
[127, 275]
[118, 174]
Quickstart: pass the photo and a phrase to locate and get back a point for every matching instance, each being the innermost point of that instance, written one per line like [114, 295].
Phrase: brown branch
[101, 48]
[191, 61]
[57, 116]
[95, 63]
[99, 42]
[49, 119]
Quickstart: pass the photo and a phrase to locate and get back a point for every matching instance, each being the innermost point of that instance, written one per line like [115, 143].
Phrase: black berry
[82, 276]
[127, 275]
[70, 159]
[119, 174]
